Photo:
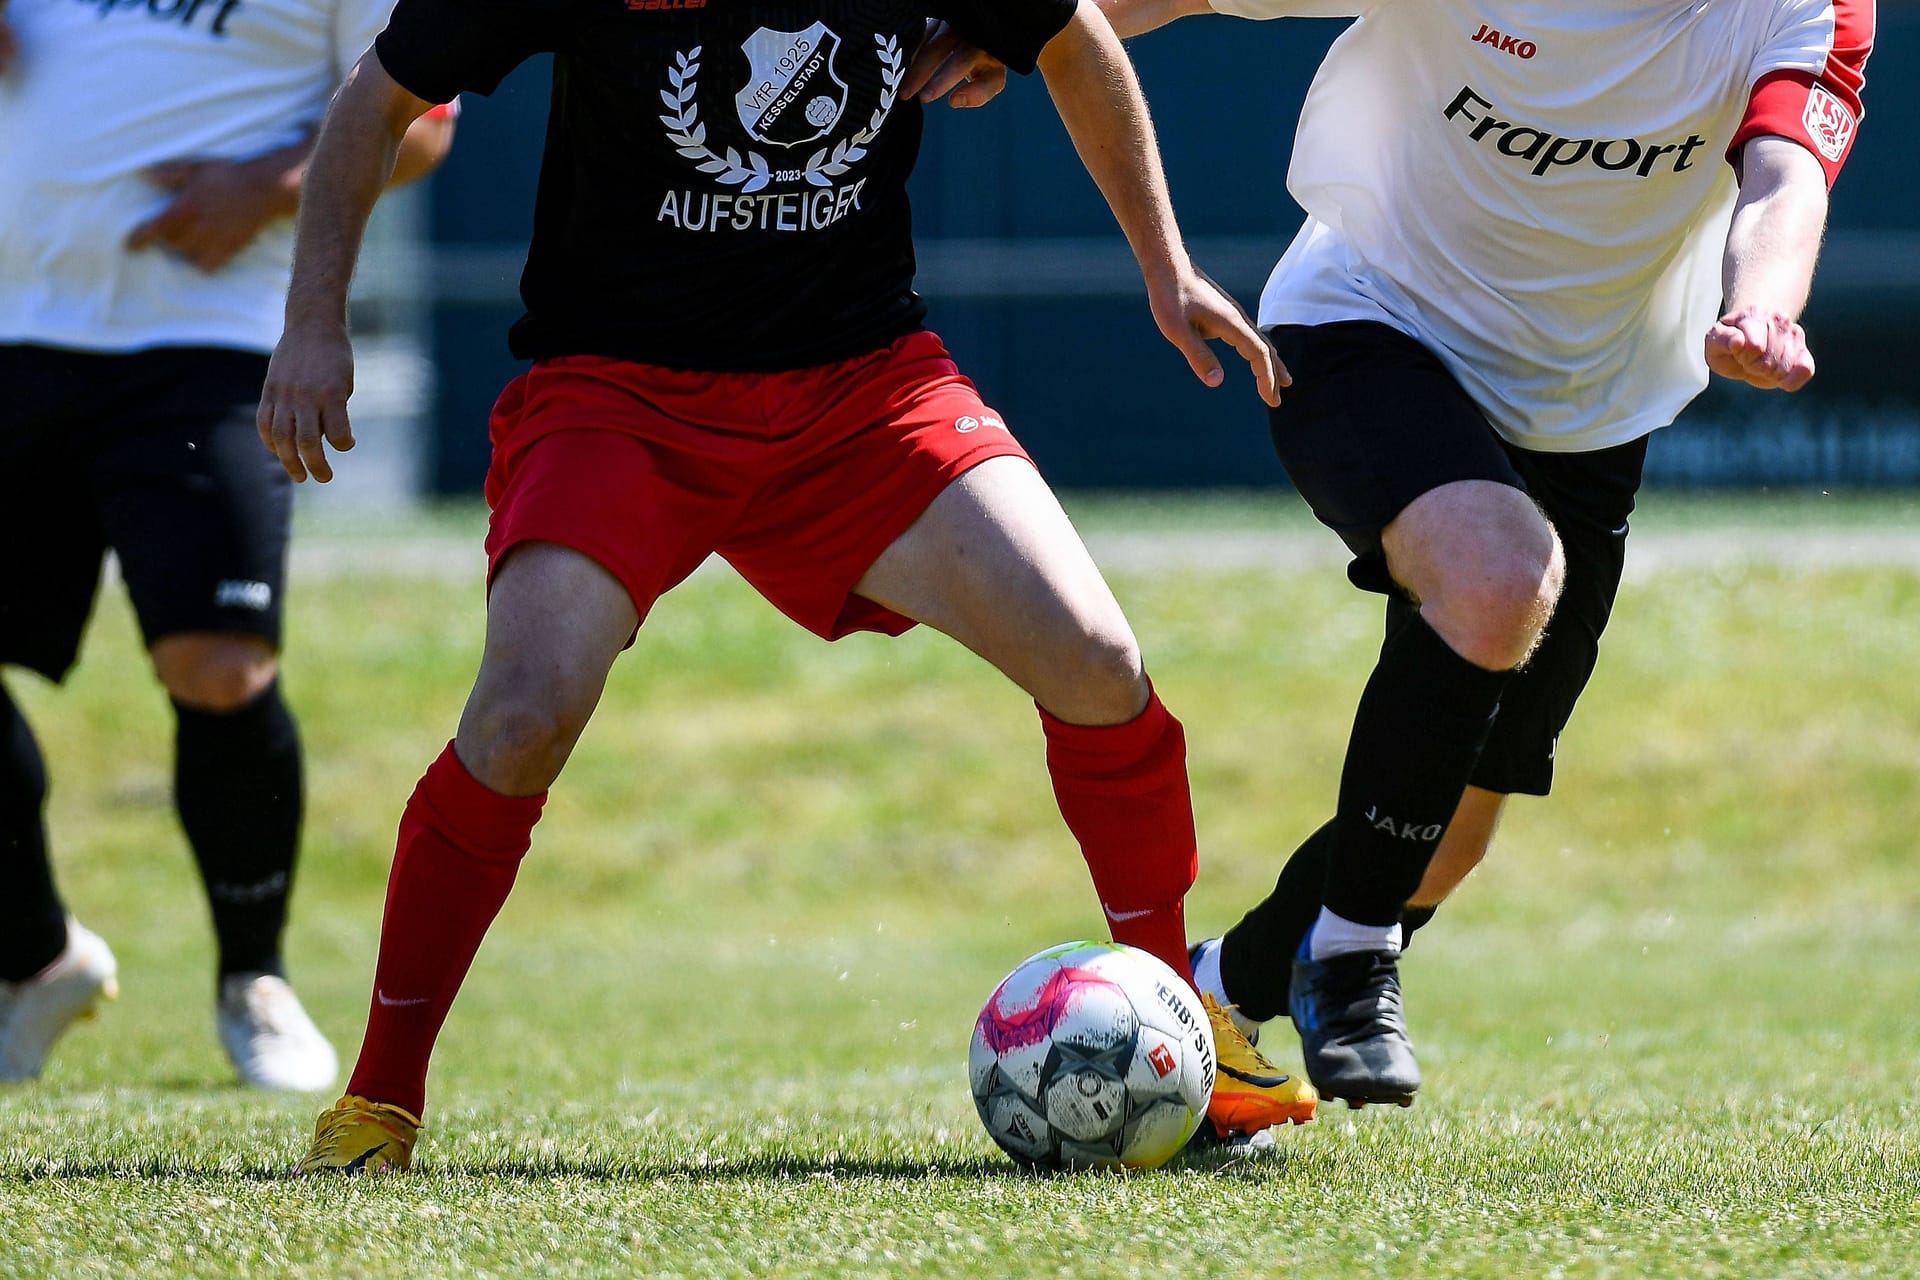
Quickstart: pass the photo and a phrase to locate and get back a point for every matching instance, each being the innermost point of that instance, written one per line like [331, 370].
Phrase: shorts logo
[238, 593]
[969, 424]
[1829, 123]
[792, 95]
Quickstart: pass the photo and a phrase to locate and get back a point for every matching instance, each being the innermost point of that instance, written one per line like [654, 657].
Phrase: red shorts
[800, 479]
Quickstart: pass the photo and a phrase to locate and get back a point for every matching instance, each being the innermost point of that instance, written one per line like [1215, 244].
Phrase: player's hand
[218, 207]
[945, 66]
[1762, 348]
[303, 407]
[1190, 309]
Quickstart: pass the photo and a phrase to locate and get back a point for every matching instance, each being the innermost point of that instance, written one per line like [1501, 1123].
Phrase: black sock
[237, 786]
[34, 928]
[1256, 955]
[1417, 734]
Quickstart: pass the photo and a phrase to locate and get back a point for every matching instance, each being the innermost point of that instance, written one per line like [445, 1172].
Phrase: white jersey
[1540, 193]
[103, 89]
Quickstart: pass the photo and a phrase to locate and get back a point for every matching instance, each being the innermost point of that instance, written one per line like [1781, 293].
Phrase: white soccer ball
[1092, 1055]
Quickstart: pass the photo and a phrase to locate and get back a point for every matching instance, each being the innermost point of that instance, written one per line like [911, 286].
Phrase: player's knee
[523, 731]
[1494, 612]
[518, 738]
[217, 673]
[1097, 678]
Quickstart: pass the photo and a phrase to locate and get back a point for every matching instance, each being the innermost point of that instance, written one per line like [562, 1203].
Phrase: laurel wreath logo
[749, 170]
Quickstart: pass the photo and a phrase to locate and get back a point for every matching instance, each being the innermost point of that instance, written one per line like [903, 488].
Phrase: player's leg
[52, 970]
[1398, 460]
[910, 501]
[590, 525]
[994, 563]
[901, 497]
[556, 620]
[1589, 498]
[1486, 569]
[199, 516]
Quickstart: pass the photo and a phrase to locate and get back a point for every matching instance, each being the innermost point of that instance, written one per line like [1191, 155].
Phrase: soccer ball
[1092, 1055]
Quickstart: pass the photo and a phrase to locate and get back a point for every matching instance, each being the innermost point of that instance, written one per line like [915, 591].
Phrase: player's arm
[220, 206]
[1803, 112]
[303, 406]
[1767, 273]
[1099, 101]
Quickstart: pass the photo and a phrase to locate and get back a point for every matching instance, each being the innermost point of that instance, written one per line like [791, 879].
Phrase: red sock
[460, 845]
[1123, 791]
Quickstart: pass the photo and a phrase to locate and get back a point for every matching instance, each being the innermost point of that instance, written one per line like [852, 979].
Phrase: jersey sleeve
[355, 24]
[1261, 9]
[1014, 31]
[1808, 80]
[439, 49]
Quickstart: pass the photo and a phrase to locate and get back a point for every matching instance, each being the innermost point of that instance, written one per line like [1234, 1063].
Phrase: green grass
[1672, 1027]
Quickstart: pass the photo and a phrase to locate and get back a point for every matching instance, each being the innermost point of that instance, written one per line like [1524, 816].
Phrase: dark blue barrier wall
[1032, 288]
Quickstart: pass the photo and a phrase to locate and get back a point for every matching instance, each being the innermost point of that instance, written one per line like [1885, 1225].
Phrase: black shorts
[1372, 421]
[153, 454]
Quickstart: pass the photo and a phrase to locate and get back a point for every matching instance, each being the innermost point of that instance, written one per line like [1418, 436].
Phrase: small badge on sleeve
[1829, 123]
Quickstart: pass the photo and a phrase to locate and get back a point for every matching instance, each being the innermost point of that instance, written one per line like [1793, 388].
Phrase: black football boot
[1352, 1031]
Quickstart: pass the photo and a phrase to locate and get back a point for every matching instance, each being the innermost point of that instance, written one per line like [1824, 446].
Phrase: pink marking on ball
[1006, 1029]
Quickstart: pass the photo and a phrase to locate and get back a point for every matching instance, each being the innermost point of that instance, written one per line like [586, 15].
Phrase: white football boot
[34, 1012]
[270, 1038]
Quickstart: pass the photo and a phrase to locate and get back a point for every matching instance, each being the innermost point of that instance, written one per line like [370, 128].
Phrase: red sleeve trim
[445, 111]
[1820, 112]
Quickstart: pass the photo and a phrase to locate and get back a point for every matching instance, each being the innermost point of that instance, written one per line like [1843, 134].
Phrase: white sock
[1334, 935]
[1206, 980]
[1206, 970]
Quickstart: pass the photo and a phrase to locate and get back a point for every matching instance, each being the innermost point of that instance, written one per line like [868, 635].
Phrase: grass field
[1673, 1026]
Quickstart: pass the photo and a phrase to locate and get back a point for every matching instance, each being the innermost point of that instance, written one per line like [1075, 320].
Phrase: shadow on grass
[717, 1171]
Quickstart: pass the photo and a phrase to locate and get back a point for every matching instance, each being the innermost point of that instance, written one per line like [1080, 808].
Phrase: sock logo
[389, 1002]
[267, 890]
[1428, 833]
[1121, 917]
[240, 593]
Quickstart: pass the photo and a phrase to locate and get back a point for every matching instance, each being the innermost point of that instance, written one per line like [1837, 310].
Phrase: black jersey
[724, 184]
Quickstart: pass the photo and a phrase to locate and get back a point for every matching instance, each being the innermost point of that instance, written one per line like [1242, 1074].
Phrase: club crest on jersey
[1829, 123]
[793, 95]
